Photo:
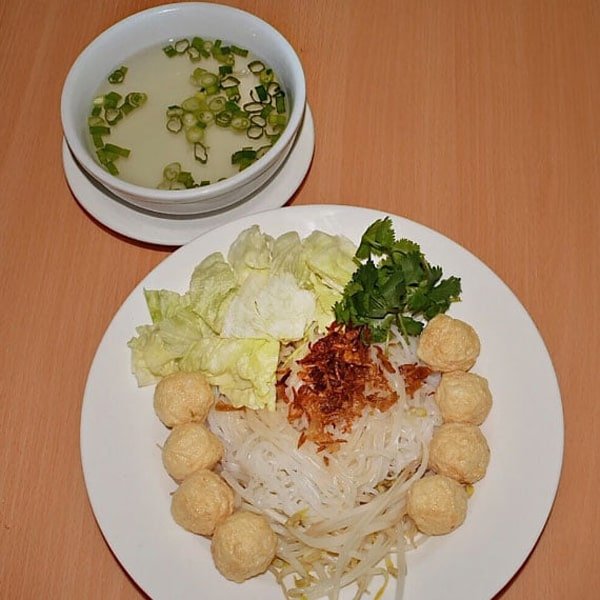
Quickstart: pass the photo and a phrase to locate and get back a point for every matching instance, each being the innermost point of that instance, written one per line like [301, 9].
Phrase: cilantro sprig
[394, 284]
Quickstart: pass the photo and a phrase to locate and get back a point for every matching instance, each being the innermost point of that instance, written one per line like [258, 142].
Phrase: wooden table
[477, 118]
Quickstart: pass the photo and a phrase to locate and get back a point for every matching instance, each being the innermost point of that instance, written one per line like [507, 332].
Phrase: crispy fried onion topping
[339, 380]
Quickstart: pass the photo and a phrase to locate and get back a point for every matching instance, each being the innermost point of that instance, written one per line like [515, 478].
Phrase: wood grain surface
[479, 119]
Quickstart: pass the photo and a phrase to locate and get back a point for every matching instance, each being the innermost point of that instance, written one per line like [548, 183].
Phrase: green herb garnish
[393, 285]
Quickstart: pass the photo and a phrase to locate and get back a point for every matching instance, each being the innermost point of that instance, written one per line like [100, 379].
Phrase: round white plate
[145, 226]
[129, 489]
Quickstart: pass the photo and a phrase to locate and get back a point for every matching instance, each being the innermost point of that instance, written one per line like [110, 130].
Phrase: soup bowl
[156, 27]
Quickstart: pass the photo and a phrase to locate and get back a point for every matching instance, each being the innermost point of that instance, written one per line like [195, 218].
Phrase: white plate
[149, 227]
[129, 490]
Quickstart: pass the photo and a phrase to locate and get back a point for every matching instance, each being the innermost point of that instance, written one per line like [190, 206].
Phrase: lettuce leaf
[270, 307]
[212, 286]
[230, 323]
[243, 369]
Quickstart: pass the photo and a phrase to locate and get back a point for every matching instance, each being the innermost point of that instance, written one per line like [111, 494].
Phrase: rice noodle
[339, 513]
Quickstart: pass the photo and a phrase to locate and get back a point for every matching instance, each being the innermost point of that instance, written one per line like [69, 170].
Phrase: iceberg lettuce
[230, 323]
[244, 370]
[270, 307]
[212, 286]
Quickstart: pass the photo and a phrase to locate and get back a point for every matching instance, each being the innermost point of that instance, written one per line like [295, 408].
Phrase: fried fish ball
[190, 447]
[243, 546]
[448, 344]
[437, 504]
[460, 451]
[201, 501]
[464, 398]
[182, 397]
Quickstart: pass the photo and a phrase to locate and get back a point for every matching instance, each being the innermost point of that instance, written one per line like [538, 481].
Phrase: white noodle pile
[338, 514]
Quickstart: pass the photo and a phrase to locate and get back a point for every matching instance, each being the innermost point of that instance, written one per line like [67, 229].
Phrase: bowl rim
[217, 189]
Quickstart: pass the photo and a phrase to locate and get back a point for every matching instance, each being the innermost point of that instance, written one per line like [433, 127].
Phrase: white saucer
[177, 231]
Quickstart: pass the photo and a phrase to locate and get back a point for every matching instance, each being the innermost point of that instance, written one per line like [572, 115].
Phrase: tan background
[479, 119]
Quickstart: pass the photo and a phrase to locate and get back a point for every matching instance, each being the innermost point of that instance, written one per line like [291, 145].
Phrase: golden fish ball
[448, 344]
[183, 397]
[243, 546]
[460, 451]
[201, 501]
[463, 398]
[190, 447]
[437, 504]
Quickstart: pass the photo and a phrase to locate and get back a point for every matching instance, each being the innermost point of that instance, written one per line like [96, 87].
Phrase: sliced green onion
[254, 97]
[186, 178]
[174, 111]
[174, 124]
[273, 129]
[240, 123]
[224, 118]
[198, 43]
[225, 70]
[280, 103]
[194, 54]
[229, 82]
[171, 171]
[200, 152]
[99, 130]
[170, 51]
[95, 121]
[277, 119]
[98, 141]
[189, 119]
[254, 132]
[216, 105]
[118, 75]
[262, 93]
[126, 108]
[266, 76]
[244, 154]
[274, 88]
[206, 117]
[118, 150]
[239, 51]
[105, 157]
[181, 46]
[96, 111]
[208, 80]
[194, 134]
[212, 90]
[266, 111]
[112, 99]
[258, 120]
[113, 115]
[192, 103]
[204, 182]
[136, 99]
[233, 93]
[112, 168]
[256, 66]
[253, 107]
[234, 108]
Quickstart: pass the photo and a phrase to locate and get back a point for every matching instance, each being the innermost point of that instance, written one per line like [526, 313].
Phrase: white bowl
[153, 27]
